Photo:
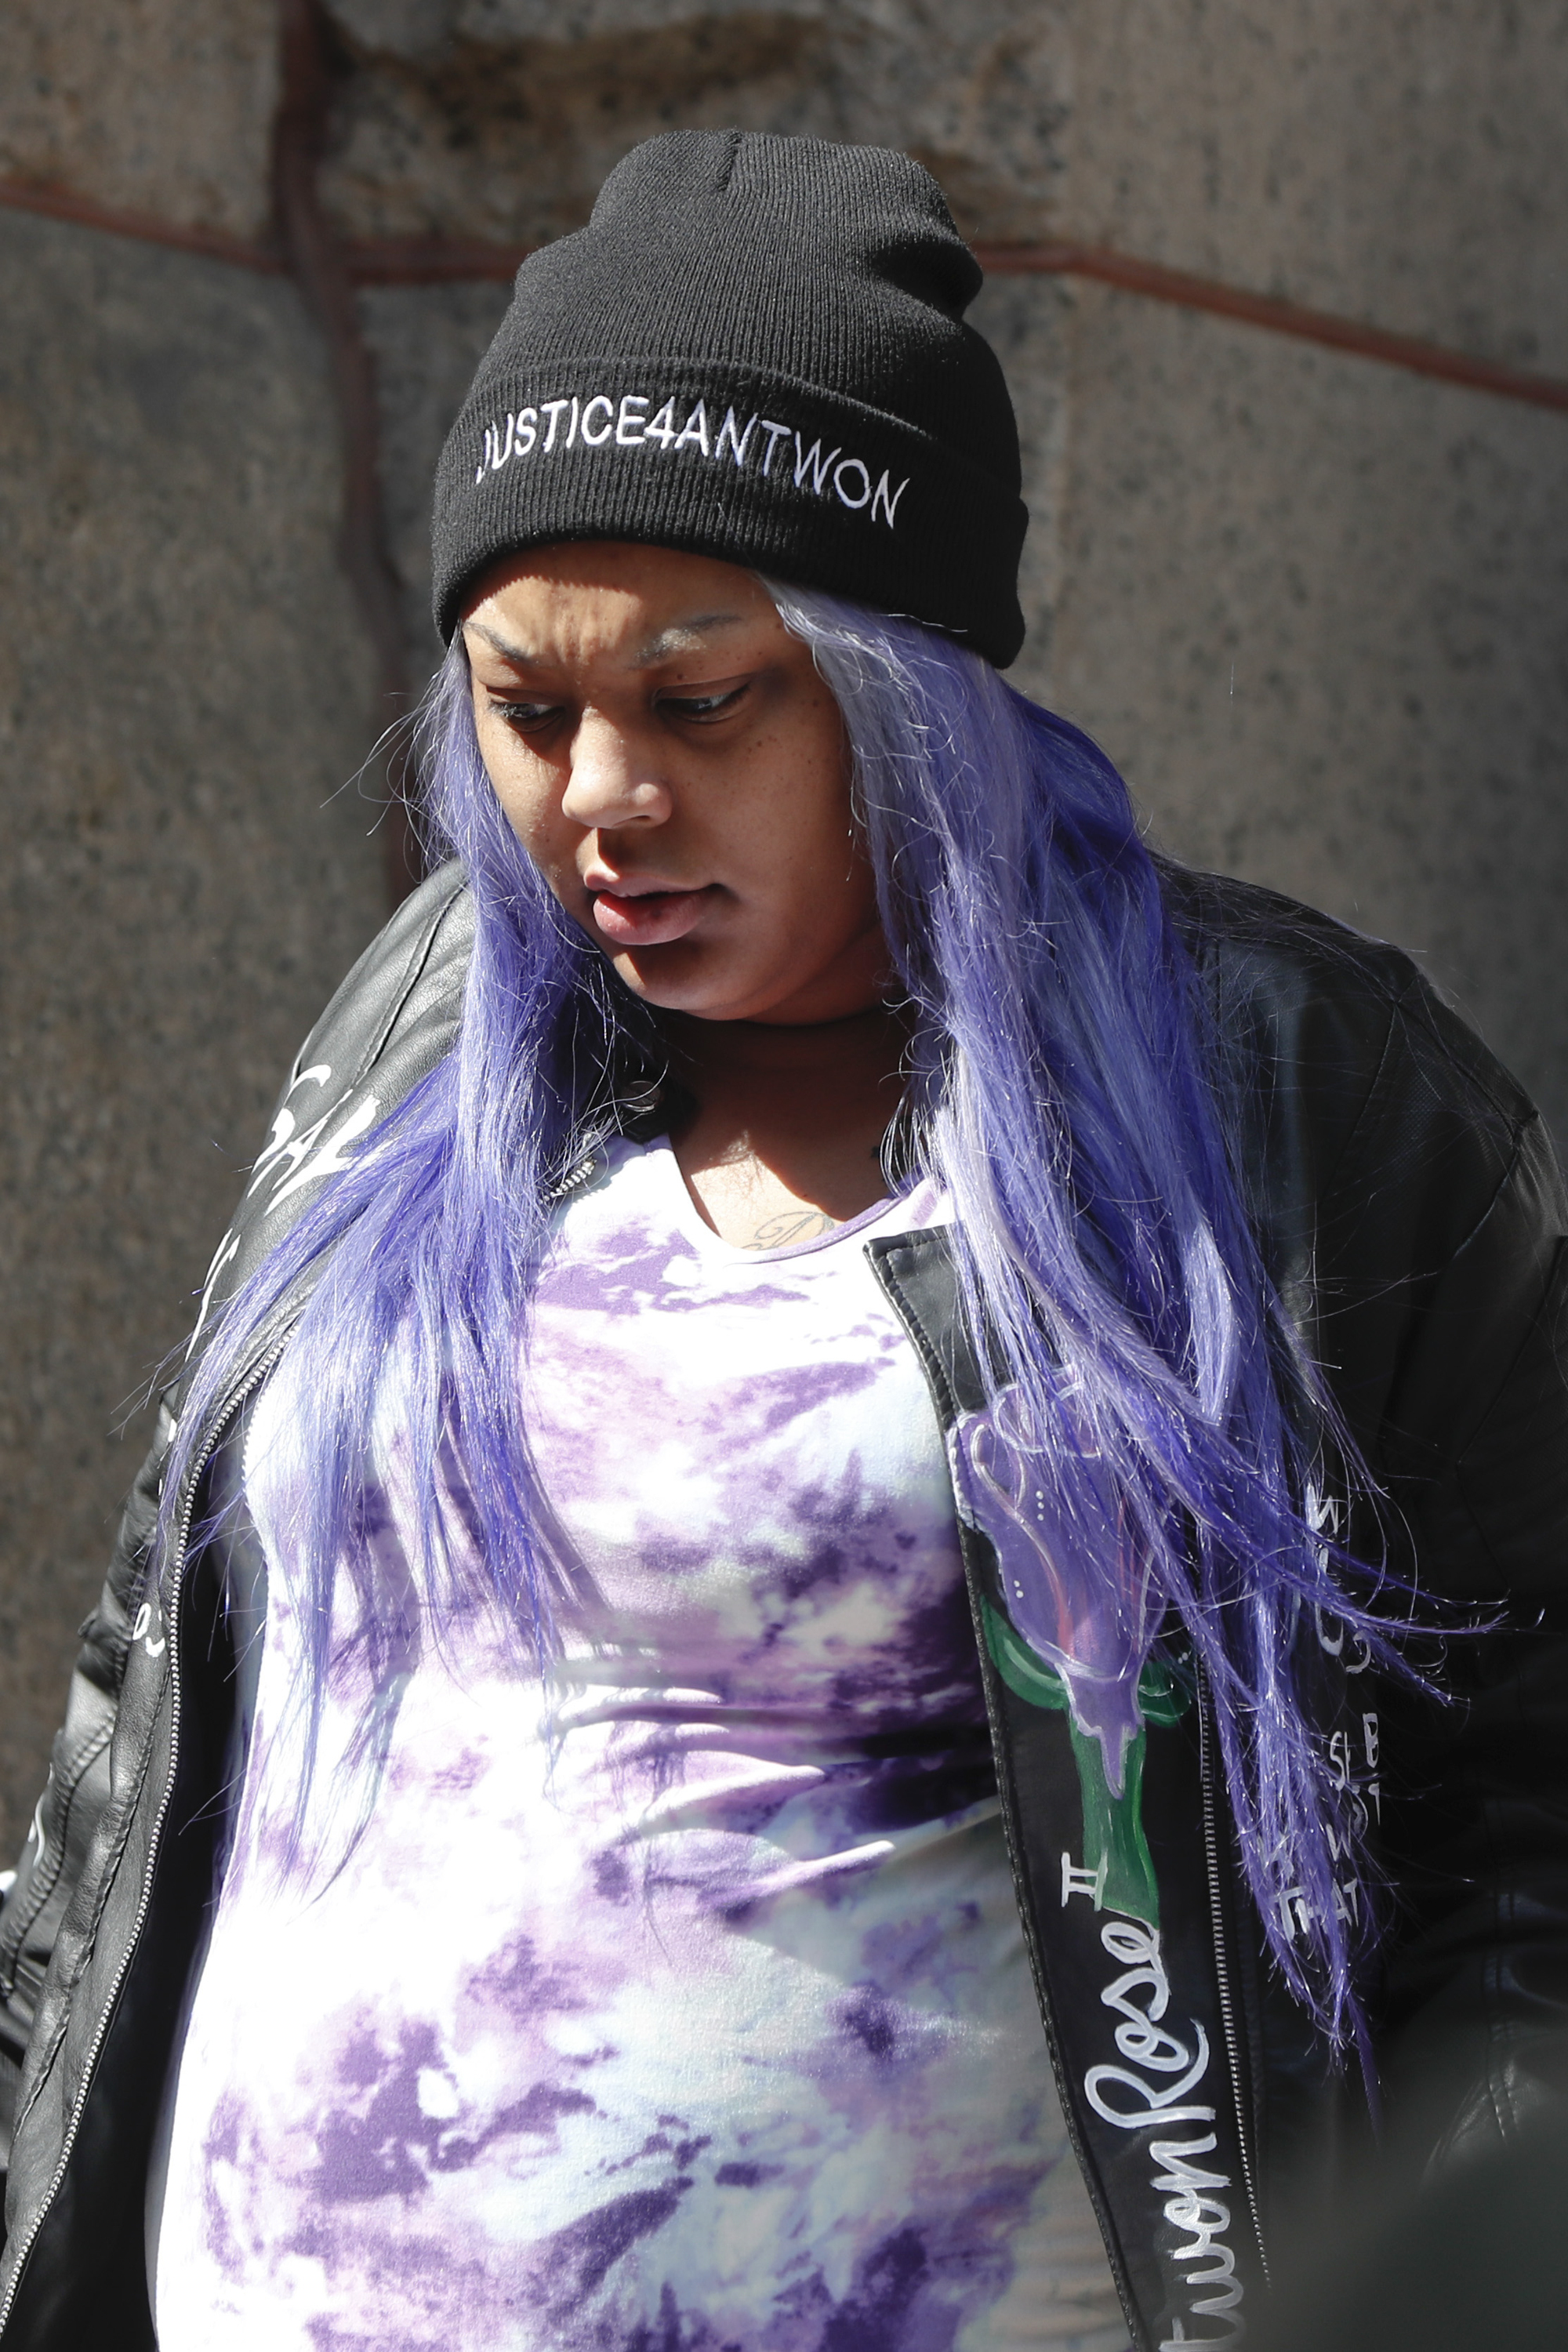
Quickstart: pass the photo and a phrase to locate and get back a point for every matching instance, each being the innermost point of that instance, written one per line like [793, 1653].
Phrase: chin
[665, 978]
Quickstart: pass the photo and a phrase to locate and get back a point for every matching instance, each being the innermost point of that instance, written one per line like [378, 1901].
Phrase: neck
[786, 1114]
[862, 1049]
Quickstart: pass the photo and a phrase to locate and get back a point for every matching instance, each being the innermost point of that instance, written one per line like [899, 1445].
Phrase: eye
[523, 716]
[702, 707]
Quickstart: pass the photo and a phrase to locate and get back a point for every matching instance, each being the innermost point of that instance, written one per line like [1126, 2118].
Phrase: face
[671, 762]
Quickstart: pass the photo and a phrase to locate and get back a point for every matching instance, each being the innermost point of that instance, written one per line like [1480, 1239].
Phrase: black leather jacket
[1410, 1211]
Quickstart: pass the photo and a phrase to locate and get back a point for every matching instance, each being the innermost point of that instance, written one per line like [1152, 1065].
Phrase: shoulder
[408, 982]
[1356, 1093]
[1315, 999]
[391, 1022]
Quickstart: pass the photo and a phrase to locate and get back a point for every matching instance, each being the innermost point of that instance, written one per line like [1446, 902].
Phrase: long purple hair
[1064, 1092]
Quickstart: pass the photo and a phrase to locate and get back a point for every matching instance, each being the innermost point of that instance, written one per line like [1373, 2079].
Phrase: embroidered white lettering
[601, 418]
[737, 440]
[696, 429]
[847, 465]
[661, 429]
[881, 503]
[814, 461]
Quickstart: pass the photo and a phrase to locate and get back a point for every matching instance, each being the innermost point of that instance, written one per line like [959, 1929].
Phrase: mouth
[647, 918]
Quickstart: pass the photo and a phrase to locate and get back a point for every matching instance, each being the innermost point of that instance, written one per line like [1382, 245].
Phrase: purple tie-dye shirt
[681, 2006]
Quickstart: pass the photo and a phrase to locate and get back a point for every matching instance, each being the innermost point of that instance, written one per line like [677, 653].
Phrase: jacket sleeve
[389, 1024]
[1425, 1219]
[1475, 1456]
[78, 1786]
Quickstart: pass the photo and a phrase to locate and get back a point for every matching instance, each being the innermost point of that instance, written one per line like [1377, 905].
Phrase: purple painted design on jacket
[1075, 1576]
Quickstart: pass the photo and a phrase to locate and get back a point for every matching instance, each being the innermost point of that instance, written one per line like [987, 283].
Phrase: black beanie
[754, 351]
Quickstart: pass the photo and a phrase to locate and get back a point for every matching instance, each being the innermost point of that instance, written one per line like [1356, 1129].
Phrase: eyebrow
[679, 637]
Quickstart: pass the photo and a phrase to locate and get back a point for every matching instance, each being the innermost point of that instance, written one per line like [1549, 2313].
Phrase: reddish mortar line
[425, 261]
[1178, 286]
[430, 261]
[212, 244]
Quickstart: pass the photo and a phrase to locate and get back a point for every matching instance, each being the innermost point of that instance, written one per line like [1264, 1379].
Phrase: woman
[582, 1785]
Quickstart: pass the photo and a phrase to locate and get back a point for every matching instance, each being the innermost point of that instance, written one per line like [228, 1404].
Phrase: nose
[614, 779]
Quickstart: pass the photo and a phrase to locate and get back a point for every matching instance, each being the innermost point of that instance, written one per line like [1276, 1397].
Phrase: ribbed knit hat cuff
[754, 469]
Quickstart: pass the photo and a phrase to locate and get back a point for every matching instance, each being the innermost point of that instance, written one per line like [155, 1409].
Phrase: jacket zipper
[575, 1178]
[1222, 1963]
[231, 1406]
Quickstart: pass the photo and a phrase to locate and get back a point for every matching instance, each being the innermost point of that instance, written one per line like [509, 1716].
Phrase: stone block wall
[1312, 603]
[186, 696]
[183, 699]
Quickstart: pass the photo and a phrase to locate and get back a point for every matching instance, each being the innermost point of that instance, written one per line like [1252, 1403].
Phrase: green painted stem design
[1115, 1849]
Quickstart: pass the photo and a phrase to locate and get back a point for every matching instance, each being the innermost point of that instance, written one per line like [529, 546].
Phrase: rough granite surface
[153, 106]
[1314, 609]
[1404, 164]
[182, 695]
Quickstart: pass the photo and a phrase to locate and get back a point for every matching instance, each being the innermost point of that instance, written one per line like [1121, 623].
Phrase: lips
[648, 919]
